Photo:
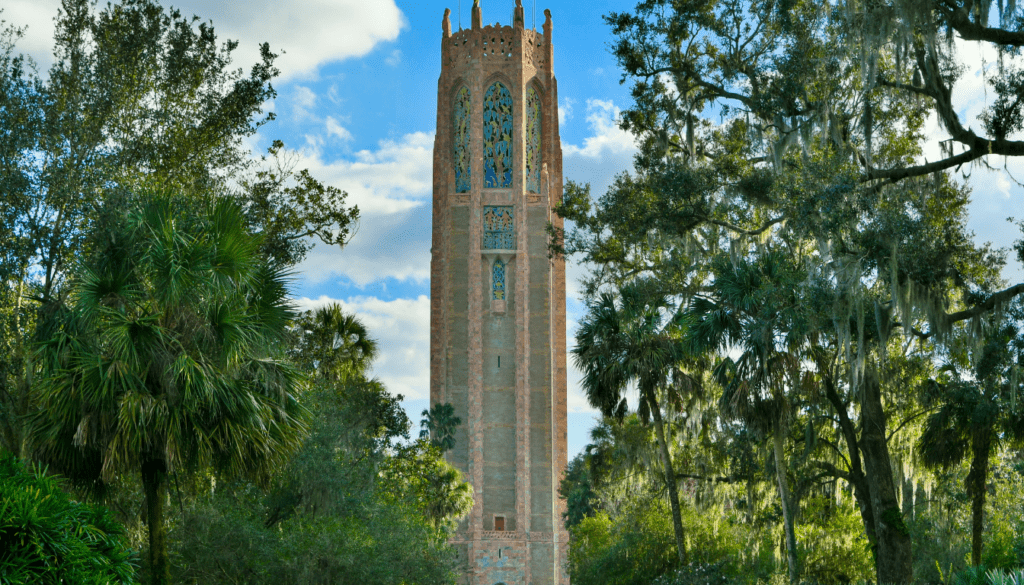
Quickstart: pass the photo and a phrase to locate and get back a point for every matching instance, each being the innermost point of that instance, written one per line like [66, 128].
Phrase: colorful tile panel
[498, 137]
[533, 134]
[498, 280]
[499, 228]
[461, 141]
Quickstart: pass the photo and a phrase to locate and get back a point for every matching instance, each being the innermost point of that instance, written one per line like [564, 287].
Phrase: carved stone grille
[461, 141]
[533, 133]
[498, 137]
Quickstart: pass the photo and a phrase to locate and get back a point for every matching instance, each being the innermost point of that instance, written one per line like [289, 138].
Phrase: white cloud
[336, 129]
[305, 34]
[395, 177]
[304, 97]
[608, 151]
[608, 138]
[304, 102]
[402, 330]
[392, 245]
[394, 58]
[37, 17]
[565, 110]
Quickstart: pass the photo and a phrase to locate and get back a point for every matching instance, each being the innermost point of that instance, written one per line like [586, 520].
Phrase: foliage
[349, 508]
[331, 344]
[139, 97]
[438, 425]
[577, 489]
[637, 546]
[48, 538]
[833, 547]
[167, 358]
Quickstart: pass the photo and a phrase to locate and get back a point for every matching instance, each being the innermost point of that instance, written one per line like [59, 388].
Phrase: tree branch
[959, 19]
[740, 230]
[729, 479]
[1003, 296]
[832, 470]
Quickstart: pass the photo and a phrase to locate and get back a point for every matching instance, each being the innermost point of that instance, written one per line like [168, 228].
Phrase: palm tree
[975, 415]
[753, 308]
[167, 358]
[439, 424]
[628, 339]
[333, 344]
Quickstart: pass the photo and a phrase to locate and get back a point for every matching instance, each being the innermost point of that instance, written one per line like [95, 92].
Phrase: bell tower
[497, 323]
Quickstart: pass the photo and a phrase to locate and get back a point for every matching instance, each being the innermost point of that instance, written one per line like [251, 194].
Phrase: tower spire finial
[477, 15]
[446, 23]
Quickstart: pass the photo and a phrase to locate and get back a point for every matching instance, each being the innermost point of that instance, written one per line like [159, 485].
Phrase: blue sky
[357, 106]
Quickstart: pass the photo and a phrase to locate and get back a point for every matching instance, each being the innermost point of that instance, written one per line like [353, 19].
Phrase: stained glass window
[498, 280]
[461, 141]
[533, 159]
[498, 137]
[499, 228]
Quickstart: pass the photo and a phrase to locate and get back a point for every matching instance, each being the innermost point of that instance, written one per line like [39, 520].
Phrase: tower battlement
[497, 42]
[497, 300]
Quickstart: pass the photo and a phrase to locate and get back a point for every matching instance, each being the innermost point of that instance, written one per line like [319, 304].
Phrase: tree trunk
[670, 479]
[154, 481]
[981, 445]
[856, 478]
[778, 441]
[893, 560]
[750, 501]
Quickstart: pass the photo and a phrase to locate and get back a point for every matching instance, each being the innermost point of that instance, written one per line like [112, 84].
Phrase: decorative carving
[499, 228]
[461, 141]
[498, 137]
[501, 535]
[533, 135]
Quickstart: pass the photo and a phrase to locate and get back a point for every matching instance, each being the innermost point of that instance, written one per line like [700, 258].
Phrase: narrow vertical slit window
[498, 137]
[498, 284]
[533, 140]
[460, 141]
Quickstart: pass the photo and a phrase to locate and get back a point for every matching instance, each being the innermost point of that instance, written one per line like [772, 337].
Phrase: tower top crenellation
[496, 42]
[518, 20]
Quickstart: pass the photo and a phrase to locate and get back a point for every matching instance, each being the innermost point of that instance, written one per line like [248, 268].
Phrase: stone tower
[497, 323]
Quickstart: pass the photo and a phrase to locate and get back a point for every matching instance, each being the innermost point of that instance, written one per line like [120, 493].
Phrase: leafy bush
[638, 547]
[46, 537]
[696, 574]
[833, 547]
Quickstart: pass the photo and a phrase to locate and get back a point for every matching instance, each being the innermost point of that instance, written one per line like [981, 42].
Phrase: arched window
[533, 128]
[498, 137]
[498, 282]
[460, 139]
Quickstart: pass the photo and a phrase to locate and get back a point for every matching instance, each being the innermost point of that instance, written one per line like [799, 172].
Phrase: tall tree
[977, 414]
[168, 359]
[138, 95]
[755, 308]
[332, 344]
[629, 338]
[439, 424]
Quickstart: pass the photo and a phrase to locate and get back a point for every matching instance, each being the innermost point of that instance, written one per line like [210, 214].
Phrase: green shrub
[46, 537]
[832, 545]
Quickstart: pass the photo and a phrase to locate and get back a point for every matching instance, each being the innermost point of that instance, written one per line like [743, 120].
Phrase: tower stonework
[497, 323]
